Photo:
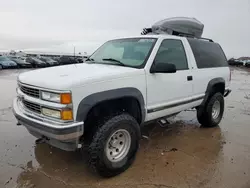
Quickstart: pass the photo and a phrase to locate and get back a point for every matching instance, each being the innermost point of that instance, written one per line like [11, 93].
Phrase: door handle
[189, 78]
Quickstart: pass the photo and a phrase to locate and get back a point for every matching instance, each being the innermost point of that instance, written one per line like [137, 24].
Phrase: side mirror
[163, 68]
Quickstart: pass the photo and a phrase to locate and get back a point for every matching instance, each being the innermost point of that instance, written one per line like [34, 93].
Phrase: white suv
[125, 83]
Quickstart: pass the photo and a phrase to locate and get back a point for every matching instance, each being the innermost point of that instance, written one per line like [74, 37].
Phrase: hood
[8, 63]
[68, 76]
[22, 62]
[26, 63]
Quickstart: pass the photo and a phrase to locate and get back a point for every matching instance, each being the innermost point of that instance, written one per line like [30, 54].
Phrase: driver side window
[172, 51]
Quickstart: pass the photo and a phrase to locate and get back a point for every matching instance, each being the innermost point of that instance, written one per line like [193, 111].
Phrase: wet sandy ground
[180, 155]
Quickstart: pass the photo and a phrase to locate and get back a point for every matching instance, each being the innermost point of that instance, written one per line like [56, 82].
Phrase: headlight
[51, 113]
[65, 114]
[64, 98]
[54, 97]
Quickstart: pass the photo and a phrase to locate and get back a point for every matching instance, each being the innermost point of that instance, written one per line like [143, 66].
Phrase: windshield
[132, 52]
[2, 58]
[19, 61]
[37, 60]
[49, 60]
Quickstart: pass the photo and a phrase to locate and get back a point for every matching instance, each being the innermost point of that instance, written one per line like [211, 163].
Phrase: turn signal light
[66, 98]
[66, 115]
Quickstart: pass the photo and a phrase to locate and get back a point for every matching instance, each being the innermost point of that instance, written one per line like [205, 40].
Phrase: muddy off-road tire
[114, 145]
[211, 114]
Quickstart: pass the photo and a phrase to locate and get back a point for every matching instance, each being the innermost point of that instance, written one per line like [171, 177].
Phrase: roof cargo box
[179, 26]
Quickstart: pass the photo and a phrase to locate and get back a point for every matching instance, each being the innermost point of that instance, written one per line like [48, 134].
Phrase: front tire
[114, 145]
[211, 114]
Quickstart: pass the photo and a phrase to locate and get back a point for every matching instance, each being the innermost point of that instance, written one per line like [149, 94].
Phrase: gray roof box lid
[179, 26]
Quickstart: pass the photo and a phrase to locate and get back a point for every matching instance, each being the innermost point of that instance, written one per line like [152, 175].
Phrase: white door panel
[166, 87]
[168, 93]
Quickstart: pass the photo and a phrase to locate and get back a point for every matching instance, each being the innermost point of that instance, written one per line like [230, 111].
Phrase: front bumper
[25, 65]
[41, 65]
[11, 66]
[64, 136]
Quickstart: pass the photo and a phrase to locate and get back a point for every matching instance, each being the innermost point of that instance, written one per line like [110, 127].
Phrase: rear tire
[1, 67]
[114, 145]
[211, 114]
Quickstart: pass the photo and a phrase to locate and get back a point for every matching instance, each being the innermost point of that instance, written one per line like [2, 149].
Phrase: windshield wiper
[114, 60]
[89, 59]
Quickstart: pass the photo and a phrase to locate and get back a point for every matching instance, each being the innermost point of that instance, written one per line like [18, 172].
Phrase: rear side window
[208, 54]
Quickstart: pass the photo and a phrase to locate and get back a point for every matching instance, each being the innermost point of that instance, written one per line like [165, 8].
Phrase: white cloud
[59, 25]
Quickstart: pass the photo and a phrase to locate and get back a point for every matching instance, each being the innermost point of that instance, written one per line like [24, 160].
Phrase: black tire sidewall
[102, 164]
[133, 147]
[216, 97]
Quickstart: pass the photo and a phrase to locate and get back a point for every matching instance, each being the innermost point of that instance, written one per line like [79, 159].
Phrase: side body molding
[90, 101]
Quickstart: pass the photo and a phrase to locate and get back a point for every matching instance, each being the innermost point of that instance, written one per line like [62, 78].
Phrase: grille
[30, 91]
[32, 106]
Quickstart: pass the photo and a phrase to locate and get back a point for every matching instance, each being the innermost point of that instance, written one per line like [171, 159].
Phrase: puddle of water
[179, 155]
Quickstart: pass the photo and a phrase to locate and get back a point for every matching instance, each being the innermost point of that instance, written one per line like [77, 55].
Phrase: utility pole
[74, 52]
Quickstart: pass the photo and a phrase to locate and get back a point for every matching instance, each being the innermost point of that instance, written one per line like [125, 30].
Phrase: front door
[168, 93]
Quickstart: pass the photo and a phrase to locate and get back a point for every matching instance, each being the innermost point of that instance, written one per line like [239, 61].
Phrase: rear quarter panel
[201, 77]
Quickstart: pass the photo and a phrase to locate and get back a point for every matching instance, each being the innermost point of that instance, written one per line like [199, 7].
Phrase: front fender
[91, 100]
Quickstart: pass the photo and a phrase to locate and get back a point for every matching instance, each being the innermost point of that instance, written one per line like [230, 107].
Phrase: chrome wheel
[216, 109]
[118, 145]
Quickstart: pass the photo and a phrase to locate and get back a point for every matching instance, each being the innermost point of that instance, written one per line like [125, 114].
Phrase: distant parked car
[79, 60]
[21, 63]
[22, 58]
[56, 59]
[5, 62]
[65, 60]
[49, 61]
[235, 62]
[35, 62]
[247, 64]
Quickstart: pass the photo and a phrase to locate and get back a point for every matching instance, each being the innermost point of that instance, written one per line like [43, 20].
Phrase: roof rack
[178, 26]
[190, 36]
[148, 31]
[210, 40]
